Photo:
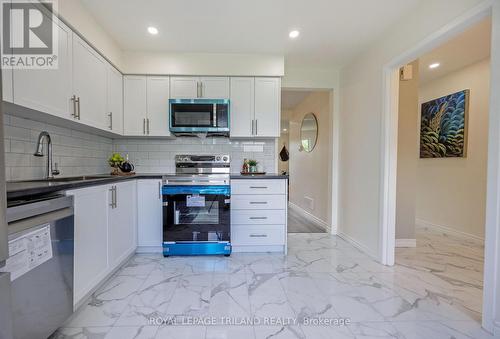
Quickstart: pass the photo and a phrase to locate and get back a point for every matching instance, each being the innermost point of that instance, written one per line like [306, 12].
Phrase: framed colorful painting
[443, 126]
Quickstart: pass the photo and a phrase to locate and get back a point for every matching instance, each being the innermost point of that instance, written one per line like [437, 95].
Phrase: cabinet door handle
[110, 115]
[257, 218]
[78, 106]
[258, 235]
[144, 126]
[258, 202]
[113, 196]
[116, 200]
[253, 127]
[74, 114]
[148, 125]
[256, 127]
[259, 187]
[197, 89]
[159, 190]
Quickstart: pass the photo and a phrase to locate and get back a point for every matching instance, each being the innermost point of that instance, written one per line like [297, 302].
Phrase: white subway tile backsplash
[75, 152]
[80, 153]
[158, 156]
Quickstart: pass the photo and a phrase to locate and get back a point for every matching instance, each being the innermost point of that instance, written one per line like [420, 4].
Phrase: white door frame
[335, 140]
[491, 301]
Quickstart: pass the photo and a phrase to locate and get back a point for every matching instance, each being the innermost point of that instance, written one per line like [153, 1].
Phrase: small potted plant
[252, 166]
[115, 161]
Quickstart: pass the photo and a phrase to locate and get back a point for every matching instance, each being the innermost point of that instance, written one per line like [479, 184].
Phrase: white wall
[77, 16]
[451, 192]
[203, 64]
[310, 173]
[361, 84]
[407, 156]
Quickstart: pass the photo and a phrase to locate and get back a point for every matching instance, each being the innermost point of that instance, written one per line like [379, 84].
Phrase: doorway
[305, 154]
[441, 168]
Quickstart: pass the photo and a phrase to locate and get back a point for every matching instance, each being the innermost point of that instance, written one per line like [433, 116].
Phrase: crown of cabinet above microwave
[194, 87]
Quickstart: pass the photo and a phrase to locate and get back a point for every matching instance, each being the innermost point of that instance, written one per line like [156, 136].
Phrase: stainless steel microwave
[209, 116]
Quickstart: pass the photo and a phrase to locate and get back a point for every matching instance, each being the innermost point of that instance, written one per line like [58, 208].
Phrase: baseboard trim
[149, 249]
[406, 242]
[446, 229]
[358, 245]
[312, 218]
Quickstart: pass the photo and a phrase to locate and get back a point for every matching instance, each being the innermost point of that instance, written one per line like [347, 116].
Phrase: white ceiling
[331, 31]
[471, 46]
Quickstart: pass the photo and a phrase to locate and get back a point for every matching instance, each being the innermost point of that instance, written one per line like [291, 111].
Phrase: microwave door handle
[215, 115]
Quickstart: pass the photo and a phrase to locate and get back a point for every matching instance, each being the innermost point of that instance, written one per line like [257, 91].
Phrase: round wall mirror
[308, 132]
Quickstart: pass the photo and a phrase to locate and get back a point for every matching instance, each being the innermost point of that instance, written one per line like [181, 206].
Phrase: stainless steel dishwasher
[40, 263]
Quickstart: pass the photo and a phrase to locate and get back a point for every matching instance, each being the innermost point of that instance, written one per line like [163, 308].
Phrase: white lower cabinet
[259, 215]
[105, 233]
[149, 216]
[91, 239]
[122, 222]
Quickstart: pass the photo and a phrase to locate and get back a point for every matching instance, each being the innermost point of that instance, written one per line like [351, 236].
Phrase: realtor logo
[29, 35]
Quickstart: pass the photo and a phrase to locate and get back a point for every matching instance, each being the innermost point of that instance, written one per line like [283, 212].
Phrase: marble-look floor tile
[107, 304]
[419, 330]
[151, 301]
[279, 332]
[81, 333]
[230, 332]
[184, 332]
[433, 291]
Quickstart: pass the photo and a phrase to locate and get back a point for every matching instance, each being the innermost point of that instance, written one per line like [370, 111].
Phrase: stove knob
[225, 159]
[217, 158]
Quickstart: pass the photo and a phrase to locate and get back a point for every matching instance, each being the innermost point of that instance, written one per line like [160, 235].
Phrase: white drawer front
[258, 202]
[256, 186]
[258, 217]
[258, 235]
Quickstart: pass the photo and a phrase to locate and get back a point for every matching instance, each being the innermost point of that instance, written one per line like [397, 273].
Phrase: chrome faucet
[39, 153]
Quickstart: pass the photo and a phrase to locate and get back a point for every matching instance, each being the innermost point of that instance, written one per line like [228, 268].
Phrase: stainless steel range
[196, 206]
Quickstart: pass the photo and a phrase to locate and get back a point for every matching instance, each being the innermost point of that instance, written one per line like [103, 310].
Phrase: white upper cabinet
[214, 87]
[115, 100]
[255, 107]
[146, 105]
[242, 106]
[267, 107]
[199, 87]
[134, 105]
[7, 90]
[48, 90]
[184, 87]
[89, 84]
[157, 106]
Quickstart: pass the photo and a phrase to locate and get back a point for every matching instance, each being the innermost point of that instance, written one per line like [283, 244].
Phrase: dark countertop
[260, 176]
[19, 189]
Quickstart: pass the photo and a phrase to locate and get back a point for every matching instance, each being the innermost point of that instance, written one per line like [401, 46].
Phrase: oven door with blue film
[196, 220]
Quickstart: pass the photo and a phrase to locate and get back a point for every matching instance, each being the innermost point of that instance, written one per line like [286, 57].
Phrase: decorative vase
[253, 169]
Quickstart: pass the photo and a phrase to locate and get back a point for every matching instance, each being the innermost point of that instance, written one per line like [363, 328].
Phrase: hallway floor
[452, 264]
[298, 224]
[322, 278]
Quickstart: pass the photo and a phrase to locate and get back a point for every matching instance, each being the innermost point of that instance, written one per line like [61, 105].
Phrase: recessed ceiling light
[434, 65]
[284, 129]
[152, 30]
[294, 34]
